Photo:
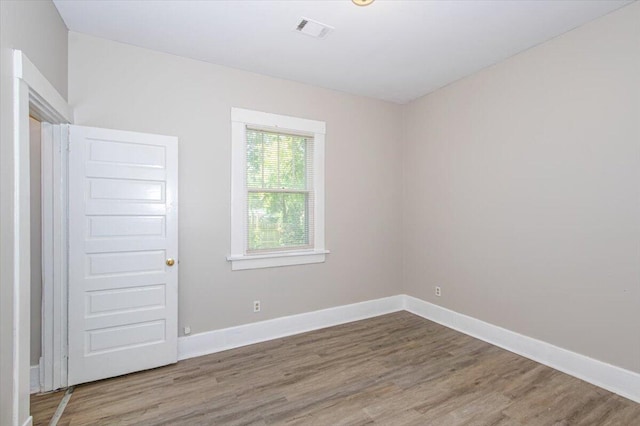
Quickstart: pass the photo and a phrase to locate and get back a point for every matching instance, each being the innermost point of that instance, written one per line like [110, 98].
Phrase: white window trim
[240, 119]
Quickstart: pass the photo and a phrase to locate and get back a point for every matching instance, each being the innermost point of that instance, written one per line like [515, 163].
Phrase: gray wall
[522, 188]
[36, 29]
[123, 87]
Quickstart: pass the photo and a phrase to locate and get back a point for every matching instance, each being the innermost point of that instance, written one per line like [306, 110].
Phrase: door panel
[125, 226]
[129, 190]
[123, 221]
[101, 302]
[128, 336]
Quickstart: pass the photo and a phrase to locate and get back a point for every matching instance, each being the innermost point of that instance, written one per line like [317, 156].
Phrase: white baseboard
[248, 334]
[615, 379]
[34, 375]
[28, 422]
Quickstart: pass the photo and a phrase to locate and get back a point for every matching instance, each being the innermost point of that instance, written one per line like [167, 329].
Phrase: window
[277, 190]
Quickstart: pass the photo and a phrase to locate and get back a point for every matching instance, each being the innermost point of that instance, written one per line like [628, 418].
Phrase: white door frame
[35, 95]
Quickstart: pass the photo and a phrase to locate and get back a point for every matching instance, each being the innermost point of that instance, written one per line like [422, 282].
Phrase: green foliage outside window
[278, 198]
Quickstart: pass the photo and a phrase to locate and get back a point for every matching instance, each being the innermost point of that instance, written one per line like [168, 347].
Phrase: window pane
[293, 162]
[276, 161]
[254, 159]
[269, 161]
[277, 220]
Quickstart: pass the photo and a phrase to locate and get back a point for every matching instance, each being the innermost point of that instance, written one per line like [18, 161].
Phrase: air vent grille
[313, 28]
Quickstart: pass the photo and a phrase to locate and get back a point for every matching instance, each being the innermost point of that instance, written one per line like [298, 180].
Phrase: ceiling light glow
[362, 2]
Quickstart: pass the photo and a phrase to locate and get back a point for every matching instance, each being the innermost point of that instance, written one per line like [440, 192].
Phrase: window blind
[279, 191]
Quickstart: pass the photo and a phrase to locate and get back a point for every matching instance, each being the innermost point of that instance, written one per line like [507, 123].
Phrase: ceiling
[392, 50]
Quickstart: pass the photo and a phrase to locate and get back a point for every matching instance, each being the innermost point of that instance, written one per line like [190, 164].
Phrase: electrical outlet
[438, 291]
[187, 330]
[256, 306]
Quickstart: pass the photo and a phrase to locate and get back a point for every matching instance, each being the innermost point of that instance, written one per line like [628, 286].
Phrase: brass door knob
[170, 262]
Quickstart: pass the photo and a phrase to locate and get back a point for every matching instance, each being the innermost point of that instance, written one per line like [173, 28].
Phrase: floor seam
[63, 404]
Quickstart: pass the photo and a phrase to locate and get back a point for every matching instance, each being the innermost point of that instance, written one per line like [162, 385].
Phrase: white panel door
[123, 252]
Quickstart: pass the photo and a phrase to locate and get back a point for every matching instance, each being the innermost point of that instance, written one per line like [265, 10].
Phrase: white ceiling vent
[313, 28]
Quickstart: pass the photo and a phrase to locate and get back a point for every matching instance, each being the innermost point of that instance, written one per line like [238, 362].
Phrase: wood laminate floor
[396, 369]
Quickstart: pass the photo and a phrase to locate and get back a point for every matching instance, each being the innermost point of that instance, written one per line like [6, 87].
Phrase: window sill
[271, 260]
